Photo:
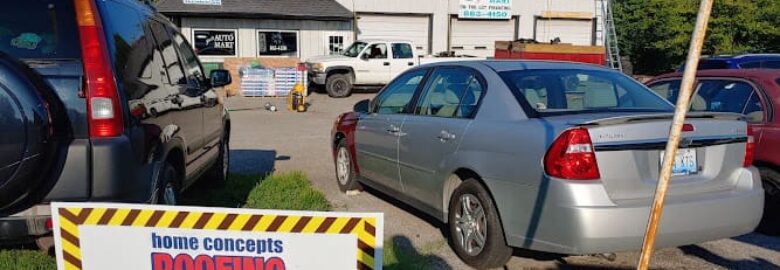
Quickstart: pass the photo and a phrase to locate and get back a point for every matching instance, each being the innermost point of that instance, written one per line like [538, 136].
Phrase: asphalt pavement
[263, 142]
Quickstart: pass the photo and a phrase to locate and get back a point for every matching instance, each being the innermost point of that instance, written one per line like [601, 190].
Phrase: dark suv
[100, 101]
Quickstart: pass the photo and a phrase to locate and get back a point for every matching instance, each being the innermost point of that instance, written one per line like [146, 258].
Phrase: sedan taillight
[750, 148]
[571, 156]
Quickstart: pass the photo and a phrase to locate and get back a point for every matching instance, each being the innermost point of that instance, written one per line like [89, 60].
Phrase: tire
[338, 85]
[483, 224]
[34, 126]
[770, 223]
[218, 173]
[167, 190]
[345, 172]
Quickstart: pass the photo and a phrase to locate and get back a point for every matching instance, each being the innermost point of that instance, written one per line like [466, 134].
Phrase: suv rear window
[39, 29]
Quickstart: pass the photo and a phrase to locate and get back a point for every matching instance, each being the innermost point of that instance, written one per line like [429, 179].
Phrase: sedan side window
[451, 92]
[398, 94]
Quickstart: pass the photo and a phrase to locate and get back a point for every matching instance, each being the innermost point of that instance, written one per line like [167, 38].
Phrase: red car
[755, 93]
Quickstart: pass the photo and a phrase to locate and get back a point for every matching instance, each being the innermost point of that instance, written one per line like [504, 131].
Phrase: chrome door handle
[446, 136]
[393, 129]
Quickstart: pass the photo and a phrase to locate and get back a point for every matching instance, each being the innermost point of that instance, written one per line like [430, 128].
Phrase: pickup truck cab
[365, 63]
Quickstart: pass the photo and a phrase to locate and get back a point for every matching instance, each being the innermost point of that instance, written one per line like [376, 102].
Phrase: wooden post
[683, 103]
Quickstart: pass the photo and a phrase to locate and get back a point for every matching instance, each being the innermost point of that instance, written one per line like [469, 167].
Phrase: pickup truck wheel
[338, 85]
[770, 223]
[476, 233]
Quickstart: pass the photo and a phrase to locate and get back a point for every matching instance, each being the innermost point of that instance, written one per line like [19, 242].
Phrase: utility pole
[683, 103]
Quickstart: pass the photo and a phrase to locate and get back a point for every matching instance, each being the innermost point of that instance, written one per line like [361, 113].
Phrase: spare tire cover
[26, 132]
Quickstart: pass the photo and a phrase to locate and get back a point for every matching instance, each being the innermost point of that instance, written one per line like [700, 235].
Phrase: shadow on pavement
[709, 256]
[247, 169]
[259, 162]
[401, 255]
[564, 266]
[760, 240]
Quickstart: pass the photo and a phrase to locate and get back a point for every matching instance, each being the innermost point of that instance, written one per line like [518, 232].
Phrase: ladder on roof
[606, 35]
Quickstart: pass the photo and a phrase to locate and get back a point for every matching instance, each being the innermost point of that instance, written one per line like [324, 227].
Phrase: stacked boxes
[264, 82]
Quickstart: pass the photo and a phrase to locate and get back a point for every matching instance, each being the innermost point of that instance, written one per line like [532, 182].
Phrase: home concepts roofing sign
[122, 236]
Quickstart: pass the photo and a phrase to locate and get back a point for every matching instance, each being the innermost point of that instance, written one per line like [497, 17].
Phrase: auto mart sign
[143, 237]
[485, 9]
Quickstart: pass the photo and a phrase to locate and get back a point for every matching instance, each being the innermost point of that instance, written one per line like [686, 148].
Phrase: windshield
[36, 29]
[574, 91]
[354, 49]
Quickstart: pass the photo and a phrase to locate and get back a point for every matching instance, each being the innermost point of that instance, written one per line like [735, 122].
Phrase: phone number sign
[485, 9]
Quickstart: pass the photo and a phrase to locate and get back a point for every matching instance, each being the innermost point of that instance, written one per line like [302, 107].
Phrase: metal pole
[683, 103]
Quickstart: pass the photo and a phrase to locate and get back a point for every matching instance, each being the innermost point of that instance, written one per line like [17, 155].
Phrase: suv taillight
[750, 148]
[103, 109]
[571, 156]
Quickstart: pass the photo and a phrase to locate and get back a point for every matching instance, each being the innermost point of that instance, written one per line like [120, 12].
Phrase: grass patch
[400, 254]
[26, 259]
[287, 191]
[284, 191]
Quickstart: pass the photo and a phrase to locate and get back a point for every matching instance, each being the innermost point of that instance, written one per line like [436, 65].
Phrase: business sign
[485, 9]
[215, 42]
[203, 2]
[92, 236]
[277, 43]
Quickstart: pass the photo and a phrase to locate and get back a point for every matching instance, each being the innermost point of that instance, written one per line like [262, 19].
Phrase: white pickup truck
[366, 63]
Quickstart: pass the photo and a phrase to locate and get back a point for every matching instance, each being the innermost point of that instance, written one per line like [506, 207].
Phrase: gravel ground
[264, 141]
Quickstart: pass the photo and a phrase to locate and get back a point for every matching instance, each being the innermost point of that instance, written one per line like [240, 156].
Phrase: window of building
[335, 44]
[215, 42]
[277, 43]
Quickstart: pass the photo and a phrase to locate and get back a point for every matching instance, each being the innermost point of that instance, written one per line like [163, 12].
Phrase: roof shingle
[272, 9]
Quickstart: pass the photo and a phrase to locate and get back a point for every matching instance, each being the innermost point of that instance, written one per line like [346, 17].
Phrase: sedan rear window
[574, 91]
[39, 29]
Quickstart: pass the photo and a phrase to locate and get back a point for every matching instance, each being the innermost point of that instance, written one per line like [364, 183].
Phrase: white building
[304, 28]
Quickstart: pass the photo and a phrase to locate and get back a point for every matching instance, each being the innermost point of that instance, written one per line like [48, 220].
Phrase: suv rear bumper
[32, 222]
[687, 219]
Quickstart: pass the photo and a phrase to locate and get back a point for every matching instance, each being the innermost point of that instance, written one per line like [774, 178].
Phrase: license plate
[685, 162]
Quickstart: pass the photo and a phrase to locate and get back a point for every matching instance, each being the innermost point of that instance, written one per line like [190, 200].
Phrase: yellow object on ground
[296, 100]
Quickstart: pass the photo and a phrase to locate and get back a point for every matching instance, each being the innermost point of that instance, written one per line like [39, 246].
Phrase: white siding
[577, 32]
[477, 37]
[312, 35]
[400, 27]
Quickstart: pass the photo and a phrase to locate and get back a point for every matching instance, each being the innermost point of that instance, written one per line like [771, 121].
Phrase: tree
[654, 34]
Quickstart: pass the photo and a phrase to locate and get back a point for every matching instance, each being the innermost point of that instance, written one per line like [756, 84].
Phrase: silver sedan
[548, 156]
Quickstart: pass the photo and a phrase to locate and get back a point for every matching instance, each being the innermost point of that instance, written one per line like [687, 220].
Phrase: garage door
[478, 37]
[577, 32]
[400, 27]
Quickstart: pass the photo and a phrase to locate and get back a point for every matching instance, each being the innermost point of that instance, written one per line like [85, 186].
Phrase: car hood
[327, 58]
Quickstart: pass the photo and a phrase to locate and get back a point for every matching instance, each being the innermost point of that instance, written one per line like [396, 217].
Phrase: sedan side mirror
[364, 57]
[362, 106]
[220, 77]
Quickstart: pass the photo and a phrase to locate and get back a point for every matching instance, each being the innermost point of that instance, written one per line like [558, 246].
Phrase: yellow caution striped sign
[71, 218]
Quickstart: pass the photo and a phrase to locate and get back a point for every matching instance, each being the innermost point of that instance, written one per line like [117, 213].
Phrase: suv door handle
[445, 136]
[387, 63]
[411, 64]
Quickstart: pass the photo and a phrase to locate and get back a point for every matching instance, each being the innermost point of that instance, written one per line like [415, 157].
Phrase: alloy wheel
[471, 225]
[342, 166]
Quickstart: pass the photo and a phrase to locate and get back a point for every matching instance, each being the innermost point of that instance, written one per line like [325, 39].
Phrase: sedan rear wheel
[476, 233]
